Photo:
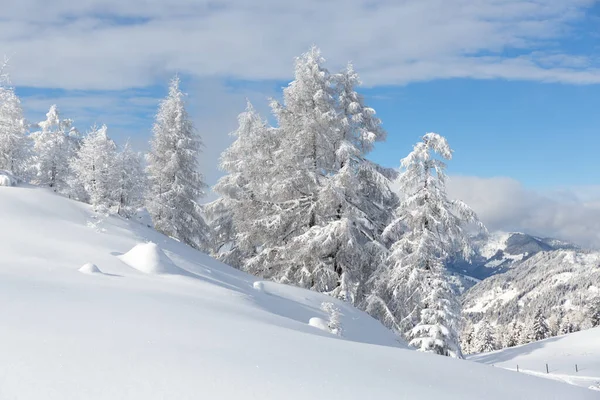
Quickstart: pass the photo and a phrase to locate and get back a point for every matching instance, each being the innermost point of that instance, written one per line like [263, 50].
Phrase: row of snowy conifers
[300, 203]
[488, 337]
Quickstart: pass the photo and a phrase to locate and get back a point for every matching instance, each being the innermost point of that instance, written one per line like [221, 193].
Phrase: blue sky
[541, 134]
[513, 84]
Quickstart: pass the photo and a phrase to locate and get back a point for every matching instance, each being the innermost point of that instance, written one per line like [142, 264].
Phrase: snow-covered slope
[561, 283]
[84, 318]
[561, 353]
[499, 252]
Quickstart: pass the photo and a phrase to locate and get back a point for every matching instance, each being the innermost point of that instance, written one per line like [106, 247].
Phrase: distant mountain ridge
[499, 252]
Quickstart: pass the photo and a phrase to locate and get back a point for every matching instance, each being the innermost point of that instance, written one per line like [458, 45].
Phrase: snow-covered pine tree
[566, 326]
[513, 333]
[411, 290]
[467, 338]
[95, 169]
[305, 157]
[539, 326]
[594, 313]
[237, 217]
[175, 183]
[485, 340]
[526, 335]
[14, 144]
[338, 253]
[54, 145]
[130, 181]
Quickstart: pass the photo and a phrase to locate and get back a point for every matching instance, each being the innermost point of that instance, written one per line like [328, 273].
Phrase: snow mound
[7, 179]
[90, 268]
[259, 286]
[149, 258]
[319, 323]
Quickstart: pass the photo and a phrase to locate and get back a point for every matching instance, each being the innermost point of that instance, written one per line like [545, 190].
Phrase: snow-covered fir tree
[411, 290]
[237, 217]
[539, 327]
[594, 313]
[54, 145]
[306, 156]
[130, 181]
[95, 168]
[338, 252]
[14, 144]
[176, 185]
[467, 338]
[485, 340]
[301, 204]
[566, 326]
[512, 335]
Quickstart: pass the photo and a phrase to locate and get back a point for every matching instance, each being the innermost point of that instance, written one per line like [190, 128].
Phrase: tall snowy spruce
[94, 169]
[323, 205]
[338, 252]
[538, 327]
[237, 217]
[54, 145]
[175, 183]
[411, 293]
[14, 144]
[130, 182]
[485, 340]
[306, 128]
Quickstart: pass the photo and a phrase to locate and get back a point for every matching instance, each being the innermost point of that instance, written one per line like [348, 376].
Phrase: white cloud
[114, 44]
[504, 204]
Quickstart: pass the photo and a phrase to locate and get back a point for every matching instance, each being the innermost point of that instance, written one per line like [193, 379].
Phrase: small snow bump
[259, 286]
[319, 323]
[90, 268]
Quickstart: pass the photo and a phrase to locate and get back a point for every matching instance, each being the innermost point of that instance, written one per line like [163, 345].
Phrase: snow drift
[207, 333]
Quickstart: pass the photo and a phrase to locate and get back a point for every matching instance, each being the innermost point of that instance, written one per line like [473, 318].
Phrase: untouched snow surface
[206, 332]
[561, 353]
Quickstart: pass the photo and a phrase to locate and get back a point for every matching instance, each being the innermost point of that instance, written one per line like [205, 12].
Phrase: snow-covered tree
[467, 338]
[14, 144]
[513, 333]
[485, 340]
[335, 320]
[411, 290]
[130, 181]
[553, 322]
[566, 326]
[539, 327]
[304, 158]
[594, 313]
[338, 252]
[236, 218]
[176, 185]
[54, 145]
[94, 168]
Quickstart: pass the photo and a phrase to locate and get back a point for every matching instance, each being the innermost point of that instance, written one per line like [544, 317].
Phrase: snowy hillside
[561, 353]
[499, 252]
[560, 282]
[89, 313]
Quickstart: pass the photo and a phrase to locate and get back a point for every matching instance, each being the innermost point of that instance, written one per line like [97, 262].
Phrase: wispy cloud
[112, 44]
